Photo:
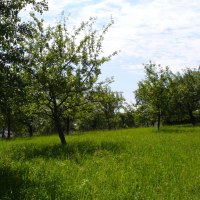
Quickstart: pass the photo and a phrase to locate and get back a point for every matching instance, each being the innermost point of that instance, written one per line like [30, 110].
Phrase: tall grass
[124, 164]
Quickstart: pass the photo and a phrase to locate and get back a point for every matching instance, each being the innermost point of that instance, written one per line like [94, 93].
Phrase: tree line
[170, 98]
[49, 80]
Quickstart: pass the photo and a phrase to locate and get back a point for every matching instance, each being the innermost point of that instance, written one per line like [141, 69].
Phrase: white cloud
[165, 31]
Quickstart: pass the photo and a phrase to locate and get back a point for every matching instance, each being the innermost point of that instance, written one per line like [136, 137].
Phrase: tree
[12, 34]
[10, 92]
[110, 103]
[64, 65]
[13, 31]
[104, 111]
[153, 92]
[127, 117]
[186, 94]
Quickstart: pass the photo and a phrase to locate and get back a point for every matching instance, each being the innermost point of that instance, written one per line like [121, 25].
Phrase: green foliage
[185, 97]
[124, 164]
[152, 95]
[104, 110]
[64, 65]
[46, 73]
[110, 104]
[127, 117]
[13, 33]
[49, 80]
[167, 97]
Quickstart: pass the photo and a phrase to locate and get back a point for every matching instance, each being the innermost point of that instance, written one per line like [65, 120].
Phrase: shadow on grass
[18, 184]
[10, 184]
[178, 130]
[70, 151]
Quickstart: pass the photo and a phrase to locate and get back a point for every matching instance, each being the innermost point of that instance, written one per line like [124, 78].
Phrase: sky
[166, 32]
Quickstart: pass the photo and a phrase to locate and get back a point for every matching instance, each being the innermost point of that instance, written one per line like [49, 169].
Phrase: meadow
[130, 164]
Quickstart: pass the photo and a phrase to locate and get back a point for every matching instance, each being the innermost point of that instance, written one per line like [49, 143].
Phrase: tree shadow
[70, 151]
[17, 184]
[177, 130]
[11, 184]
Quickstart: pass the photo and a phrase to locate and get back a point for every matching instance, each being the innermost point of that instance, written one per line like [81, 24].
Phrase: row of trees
[49, 75]
[49, 80]
[167, 97]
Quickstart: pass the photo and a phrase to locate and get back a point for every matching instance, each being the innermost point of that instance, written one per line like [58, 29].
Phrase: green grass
[124, 164]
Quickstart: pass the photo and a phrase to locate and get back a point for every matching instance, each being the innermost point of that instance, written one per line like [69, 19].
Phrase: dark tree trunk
[3, 132]
[68, 125]
[60, 130]
[192, 118]
[58, 124]
[108, 123]
[8, 125]
[30, 130]
[159, 118]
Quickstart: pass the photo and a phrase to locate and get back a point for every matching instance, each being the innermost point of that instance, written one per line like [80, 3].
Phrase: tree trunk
[108, 123]
[8, 126]
[68, 125]
[60, 131]
[3, 132]
[57, 121]
[192, 118]
[30, 130]
[159, 118]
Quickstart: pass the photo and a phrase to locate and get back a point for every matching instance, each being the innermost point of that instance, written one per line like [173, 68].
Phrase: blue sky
[166, 32]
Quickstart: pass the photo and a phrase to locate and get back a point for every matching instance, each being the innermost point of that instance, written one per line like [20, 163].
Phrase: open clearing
[123, 164]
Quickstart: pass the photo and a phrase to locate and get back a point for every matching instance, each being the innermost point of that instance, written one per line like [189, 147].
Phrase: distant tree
[10, 93]
[64, 65]
[127, 116]
[104, 111]
[110, 103]
[89, 117]
[27, 110]
[152, 95]
[186, 94]
[144, 114]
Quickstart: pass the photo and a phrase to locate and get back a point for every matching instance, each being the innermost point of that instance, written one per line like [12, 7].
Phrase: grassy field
[124, 164]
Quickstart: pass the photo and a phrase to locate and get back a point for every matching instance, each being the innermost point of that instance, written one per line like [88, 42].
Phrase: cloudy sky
[166, 32]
